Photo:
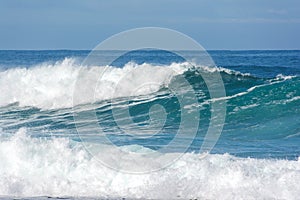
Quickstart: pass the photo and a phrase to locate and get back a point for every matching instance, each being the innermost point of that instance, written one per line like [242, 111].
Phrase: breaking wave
[30, 167]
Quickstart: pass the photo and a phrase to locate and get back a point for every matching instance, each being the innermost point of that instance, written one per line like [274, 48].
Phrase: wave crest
[51, 86]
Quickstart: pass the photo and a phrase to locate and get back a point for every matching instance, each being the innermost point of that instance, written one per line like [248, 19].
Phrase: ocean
[50, 148]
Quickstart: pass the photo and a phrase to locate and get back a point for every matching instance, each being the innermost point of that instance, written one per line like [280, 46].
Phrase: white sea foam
[284, 77]
[225, 70]
[245, 107]
[57, 167]
[293, 99]
[52, 86]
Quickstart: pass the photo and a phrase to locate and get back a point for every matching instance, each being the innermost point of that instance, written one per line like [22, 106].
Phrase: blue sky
[215, 24]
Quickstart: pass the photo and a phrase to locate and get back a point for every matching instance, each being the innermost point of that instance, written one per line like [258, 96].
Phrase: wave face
[257, 155]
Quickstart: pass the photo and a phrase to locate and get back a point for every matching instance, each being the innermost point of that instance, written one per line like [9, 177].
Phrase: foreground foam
[57, 167]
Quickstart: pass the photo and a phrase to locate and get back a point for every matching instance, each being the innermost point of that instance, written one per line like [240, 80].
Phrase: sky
[215, 24]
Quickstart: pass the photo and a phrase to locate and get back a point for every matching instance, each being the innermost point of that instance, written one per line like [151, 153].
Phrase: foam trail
[279, 78]
[30, 167]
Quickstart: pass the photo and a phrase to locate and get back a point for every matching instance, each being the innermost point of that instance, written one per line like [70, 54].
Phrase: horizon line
[62, 49]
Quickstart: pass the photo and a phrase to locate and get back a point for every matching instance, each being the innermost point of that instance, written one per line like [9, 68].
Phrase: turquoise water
[261, 129]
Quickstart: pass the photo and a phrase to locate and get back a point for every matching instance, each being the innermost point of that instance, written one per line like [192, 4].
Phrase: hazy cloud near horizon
[220, 24]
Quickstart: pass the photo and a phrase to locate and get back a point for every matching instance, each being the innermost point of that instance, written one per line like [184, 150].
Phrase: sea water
[42, 154]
